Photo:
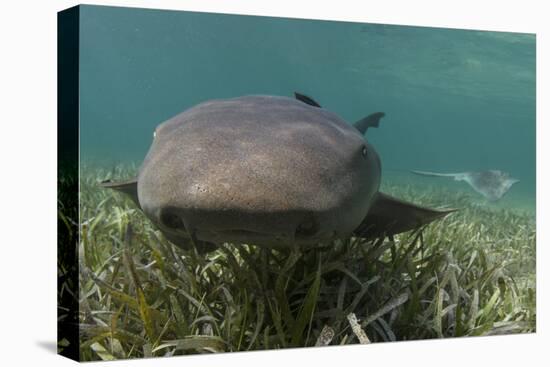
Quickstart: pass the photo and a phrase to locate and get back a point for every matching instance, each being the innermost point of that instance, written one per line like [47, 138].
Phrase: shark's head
[259, 170]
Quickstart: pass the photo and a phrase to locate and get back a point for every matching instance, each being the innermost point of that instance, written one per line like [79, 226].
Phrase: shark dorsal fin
[372, 120]
[306, 99]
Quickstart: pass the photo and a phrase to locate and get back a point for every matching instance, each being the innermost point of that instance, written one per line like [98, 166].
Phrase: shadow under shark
[269, 171]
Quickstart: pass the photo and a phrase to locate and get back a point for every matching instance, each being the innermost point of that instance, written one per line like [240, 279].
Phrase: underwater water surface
[454, 101]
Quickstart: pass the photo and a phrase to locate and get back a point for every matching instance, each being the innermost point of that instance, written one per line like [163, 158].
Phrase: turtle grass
[470, 274]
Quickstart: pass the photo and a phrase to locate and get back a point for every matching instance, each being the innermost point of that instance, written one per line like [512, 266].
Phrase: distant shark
[270, 171]
[492, 184]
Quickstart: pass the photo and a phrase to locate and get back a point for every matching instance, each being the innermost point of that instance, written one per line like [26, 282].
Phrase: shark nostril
[307, 228]
[171, 220]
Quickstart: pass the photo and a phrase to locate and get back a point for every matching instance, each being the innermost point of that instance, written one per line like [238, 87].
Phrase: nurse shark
[270, 171]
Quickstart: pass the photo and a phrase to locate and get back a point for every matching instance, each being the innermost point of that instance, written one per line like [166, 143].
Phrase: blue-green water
[455, 100]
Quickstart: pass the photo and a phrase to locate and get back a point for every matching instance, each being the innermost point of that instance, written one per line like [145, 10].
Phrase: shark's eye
[364, 151]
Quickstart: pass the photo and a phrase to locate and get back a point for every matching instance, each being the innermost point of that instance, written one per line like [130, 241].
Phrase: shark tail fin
[372, 120]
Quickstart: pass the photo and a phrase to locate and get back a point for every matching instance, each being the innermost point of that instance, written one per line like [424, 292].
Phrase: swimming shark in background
[269, 171]
[492, 184]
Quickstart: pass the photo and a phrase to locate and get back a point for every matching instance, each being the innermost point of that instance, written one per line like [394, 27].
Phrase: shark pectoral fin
[128, 187]
[389, 216]
[306, 99]
[372, 120]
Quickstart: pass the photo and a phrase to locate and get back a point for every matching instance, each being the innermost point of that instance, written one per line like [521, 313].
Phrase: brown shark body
[269, 171]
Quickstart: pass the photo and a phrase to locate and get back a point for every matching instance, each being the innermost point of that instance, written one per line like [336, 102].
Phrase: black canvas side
[67, 182]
